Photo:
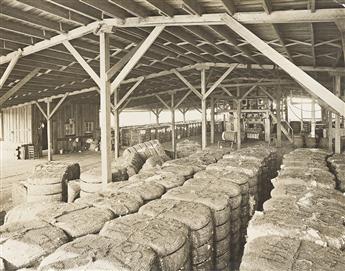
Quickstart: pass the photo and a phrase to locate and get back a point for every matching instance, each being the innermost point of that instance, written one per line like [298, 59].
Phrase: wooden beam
[229, 6]
[116, 113]
[189, 85]
[221, 79]
[49, 133]
[9, 68]
[46, 44]
[132, 7]
[192, 7]
[313, 44]
[136, 57]
[238, 122]
[129, 92]
[337, 136]
[312, 5]
[227, 91]
[203, 110]
[248, 92]
[173, 133]
[122, 62]
[58, 105]
[212, 120]
[341, 27]
[18, 86]
[279, 124]
[107, 8]
[105, 110]
[41, 109]
[182, 99]
[267, 93]
[82, 62]
[299, 75]
[163, 102]
[267, 5]
[276, 30]
[163, 7]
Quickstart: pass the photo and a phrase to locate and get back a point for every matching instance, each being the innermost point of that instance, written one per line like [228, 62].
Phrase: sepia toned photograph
[172, 135]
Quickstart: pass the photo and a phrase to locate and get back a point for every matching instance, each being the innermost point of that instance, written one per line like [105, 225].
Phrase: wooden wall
[79, 112]
[17, 124]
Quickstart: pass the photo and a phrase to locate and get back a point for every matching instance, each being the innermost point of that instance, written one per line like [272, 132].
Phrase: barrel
[298, 141]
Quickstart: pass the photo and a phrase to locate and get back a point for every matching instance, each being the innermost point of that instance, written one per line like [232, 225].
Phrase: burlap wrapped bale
[76, 219]
[105, 253]
[23, 244]
[205, 157]
[152, 162]
[316, 177]
[337, 164]
[119, 203]
[319, 226]
[132, 163]
[142, 175]
[276, 253]
[183, 170]
[19, 193]
[167, 179]
[91, 181]
[27, 211]
[187, 147]
[196, 216]
[196, 164]
[234, 192]
[144, 189]
[167, 237]
[219, 203]
[160, 150]
[216, 152]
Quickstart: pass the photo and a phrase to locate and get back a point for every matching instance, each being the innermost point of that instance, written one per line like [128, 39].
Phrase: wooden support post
[238, 124]
[302, 125]
[286, 107]
[212, 120]
[49, 134]
[173, 133]
[267, 128]
[116, 125]
[105, 110]
[157, 116]
[279, 124]
[313, 120]
[203, 110]
[330, 133]
[337, 137]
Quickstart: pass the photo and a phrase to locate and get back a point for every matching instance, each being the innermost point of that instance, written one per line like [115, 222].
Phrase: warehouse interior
[172, 135]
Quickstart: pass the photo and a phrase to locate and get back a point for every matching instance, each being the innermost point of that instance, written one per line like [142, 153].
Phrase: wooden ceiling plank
[162, 7]
[132, 7]
[192, 7]
[80, 8]
[107, 8]
[58, 11]
[229, 6]
[21, 83]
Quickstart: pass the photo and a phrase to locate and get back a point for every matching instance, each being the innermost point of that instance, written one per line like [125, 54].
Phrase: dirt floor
[13, 171]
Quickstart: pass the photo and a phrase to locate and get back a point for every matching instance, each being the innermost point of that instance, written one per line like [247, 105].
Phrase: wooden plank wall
[17, 126]
[80, 112]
